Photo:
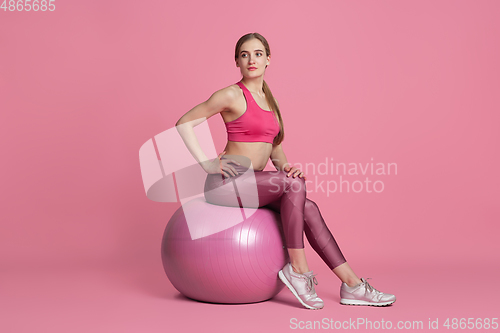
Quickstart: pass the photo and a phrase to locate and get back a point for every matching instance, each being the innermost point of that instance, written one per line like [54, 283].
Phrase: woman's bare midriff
[257, 152]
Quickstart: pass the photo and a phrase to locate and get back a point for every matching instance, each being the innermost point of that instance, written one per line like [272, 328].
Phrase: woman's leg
[260, 188]
[298, 260]
[322, 241]
[346, 274]
[287, 196]
[298, 214]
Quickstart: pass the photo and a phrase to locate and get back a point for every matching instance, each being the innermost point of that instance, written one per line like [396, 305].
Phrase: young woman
[255, 134]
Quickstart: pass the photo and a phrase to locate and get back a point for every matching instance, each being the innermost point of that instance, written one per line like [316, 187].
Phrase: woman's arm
[278, 158]
[218, 102]
[280, 162]
[278, 155]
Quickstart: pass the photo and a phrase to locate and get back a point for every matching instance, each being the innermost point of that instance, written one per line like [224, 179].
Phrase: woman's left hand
[294, 172]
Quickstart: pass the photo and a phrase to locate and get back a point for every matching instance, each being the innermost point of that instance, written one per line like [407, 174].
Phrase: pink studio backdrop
[413, 83]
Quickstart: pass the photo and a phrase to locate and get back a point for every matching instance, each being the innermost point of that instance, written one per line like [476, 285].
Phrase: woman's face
[252, 59]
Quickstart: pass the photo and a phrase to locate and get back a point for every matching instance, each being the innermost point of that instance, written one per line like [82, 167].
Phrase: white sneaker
[302, 286]
[364, 294]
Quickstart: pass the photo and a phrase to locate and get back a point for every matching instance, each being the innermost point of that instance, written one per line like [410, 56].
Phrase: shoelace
[370, 287]
[310, 280]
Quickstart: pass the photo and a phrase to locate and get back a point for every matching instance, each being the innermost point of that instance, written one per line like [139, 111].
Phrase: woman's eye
[259, 53]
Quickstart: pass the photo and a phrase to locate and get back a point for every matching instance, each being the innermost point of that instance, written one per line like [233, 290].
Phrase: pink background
[407, 82]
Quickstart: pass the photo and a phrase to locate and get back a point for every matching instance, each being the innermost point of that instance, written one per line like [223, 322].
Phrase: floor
[137, 297]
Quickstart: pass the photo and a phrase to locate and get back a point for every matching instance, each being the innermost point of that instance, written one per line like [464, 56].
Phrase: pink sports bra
[255, 125]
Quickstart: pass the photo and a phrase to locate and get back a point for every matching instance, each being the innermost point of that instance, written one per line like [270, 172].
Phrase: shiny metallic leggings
[285, 195]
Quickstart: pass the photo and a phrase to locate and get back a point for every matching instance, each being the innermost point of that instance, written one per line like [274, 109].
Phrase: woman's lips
[251, 68]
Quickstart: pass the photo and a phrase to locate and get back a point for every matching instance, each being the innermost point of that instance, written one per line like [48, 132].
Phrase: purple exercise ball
[238, 264]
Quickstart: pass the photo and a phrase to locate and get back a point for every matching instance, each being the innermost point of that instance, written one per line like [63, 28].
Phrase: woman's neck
[254, 85]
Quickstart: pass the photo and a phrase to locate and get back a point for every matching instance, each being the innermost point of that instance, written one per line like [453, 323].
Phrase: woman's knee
[297, 184]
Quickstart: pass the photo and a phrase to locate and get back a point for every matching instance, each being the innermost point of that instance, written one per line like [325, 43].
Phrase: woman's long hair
[269, 95]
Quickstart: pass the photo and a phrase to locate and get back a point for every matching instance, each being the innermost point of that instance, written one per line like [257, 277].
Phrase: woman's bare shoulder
[230, 92]
[226, 96]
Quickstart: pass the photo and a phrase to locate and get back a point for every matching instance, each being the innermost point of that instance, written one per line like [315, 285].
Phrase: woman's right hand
[220, 166]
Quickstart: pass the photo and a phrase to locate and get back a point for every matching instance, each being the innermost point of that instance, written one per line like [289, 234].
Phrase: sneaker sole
[358, 302]
[292, 289]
